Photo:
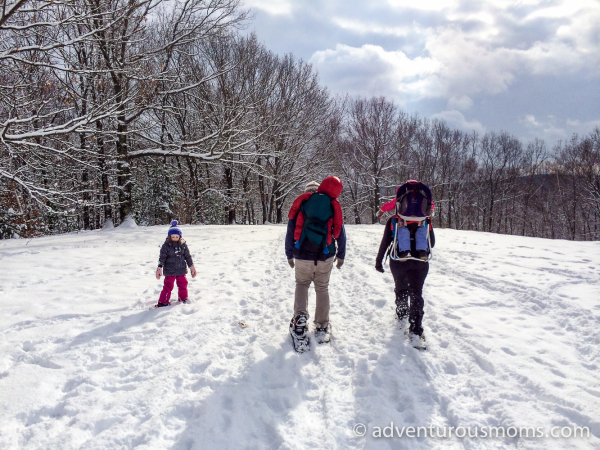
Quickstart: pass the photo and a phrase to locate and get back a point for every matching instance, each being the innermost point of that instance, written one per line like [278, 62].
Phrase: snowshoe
[323, 335]
[417, 341]
[299, 333]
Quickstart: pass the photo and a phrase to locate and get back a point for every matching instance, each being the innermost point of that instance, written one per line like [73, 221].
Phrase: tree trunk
[376, 199]
[229, 192]
[85, 180]
[195, 192]
[103, 173]
[123, 170]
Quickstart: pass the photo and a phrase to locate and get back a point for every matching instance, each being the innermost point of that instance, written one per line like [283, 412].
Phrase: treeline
[162, 110]
[491, 183]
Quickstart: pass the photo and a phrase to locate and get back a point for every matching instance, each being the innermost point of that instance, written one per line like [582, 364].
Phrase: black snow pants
[409, 277]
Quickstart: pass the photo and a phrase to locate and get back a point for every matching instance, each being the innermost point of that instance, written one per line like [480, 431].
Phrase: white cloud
[456, 119]
[273, 7]
[365, 27]
[582, 127]
[501, 55]
[427, 5]
[551, 128]
[450, 70]
[560, 9]
[461, 103]
[484, 57]
[469, 66]
[370, 70]
[530, 121]
[547, 128]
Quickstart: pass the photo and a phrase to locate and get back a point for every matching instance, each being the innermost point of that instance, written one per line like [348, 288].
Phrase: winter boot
[417, 341]
[402, 304]
[415, 313]
[404, 255]
[161, 305]
[423, 255]
[323, 335]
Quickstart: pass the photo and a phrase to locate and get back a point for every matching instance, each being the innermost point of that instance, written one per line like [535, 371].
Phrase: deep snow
[513, 328]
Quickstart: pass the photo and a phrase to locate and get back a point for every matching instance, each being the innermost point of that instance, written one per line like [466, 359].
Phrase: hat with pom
[174, 229]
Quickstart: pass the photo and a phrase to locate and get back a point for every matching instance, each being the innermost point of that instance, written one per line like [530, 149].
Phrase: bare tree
[499, 157]
[37, 118]
[298, 115]
[372, 134]
[114, 107]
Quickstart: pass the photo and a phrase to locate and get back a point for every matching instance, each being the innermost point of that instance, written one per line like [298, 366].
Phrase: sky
[529, 67]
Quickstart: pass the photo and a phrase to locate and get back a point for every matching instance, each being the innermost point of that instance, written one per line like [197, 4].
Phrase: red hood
[331, 186]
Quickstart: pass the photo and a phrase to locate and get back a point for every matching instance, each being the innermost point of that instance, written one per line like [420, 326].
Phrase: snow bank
[128, 223]
[108, 225]
[512, 325]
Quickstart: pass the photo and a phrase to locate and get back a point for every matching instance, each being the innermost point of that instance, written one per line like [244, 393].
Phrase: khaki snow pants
[307, 272]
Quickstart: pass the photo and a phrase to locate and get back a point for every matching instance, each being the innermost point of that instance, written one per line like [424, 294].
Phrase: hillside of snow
[513, 328]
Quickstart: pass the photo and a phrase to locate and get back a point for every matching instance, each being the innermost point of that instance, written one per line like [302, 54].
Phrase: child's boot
[404, 254]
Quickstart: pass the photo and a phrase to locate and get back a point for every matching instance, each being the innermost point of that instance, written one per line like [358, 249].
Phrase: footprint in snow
[379, 303]
[450, 368]
[177, 353]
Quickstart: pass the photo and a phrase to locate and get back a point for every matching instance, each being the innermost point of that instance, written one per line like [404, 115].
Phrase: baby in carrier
[413, 201]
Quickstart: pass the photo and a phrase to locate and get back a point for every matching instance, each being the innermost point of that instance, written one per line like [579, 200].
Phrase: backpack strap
[394, 222]
[391, 250]
[300, 207]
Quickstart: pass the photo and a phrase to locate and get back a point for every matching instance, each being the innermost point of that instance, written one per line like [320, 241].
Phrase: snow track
[513, 329]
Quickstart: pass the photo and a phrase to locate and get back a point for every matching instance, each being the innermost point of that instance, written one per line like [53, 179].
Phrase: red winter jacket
[331, 186]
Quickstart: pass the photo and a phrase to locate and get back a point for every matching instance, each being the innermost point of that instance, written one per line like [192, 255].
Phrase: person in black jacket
[409, 277]
[174, 260]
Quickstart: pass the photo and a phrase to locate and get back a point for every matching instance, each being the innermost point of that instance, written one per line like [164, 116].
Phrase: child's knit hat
[311, 186]
[174, 229]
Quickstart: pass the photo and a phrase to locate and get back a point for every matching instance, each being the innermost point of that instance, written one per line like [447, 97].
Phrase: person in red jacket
[332, 186]
[314, 260]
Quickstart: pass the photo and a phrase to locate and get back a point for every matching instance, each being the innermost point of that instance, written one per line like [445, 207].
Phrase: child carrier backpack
[414, 209]
[413, 199]
[318, 214]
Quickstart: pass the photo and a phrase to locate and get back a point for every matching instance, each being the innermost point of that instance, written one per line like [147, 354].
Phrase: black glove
[291, 262]
[379, 268]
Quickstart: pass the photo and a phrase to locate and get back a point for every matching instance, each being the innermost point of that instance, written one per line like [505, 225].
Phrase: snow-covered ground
[513, 326]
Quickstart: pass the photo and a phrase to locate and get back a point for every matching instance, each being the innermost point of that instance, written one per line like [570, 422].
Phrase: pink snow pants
[182, 283]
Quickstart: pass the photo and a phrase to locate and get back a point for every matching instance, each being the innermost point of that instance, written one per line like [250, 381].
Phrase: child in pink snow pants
[174, 260]
[182, 292]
